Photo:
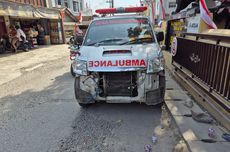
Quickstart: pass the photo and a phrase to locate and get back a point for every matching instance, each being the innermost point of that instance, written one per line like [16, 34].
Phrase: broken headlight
[155, 65]
[80, 67]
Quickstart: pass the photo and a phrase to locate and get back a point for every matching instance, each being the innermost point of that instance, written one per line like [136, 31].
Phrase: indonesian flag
[205, 15]
[79, 18]
[162, 10]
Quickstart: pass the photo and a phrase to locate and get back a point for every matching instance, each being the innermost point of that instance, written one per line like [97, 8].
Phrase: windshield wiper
[136, 40]
[106, 40]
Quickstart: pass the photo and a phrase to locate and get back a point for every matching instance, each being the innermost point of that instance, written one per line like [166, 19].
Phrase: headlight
[80, 67]
[155, 65]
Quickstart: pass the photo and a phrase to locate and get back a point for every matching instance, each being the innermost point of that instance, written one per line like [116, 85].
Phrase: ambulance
[120, 60]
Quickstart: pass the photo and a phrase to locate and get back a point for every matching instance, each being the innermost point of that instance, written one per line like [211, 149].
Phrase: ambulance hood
[118, 57]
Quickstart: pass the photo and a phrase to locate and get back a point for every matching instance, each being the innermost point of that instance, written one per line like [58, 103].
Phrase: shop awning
[46, 13]
[27, 11]
[14, 9]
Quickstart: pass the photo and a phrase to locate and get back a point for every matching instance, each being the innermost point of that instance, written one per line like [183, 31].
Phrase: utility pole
[112, 3]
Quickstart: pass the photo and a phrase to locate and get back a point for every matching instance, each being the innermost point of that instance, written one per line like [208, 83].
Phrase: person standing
[78, 35]
[41, 35]
[20, 34]
[21, 37]
[13, 37]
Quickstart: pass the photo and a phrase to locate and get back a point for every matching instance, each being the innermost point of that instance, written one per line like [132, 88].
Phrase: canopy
[27, 11]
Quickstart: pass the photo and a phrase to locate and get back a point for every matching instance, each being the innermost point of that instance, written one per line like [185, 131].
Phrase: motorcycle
[74, 51]
[24, 45]
[6, 46]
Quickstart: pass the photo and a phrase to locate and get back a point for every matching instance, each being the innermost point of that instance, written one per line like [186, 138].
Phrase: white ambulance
[120, 60]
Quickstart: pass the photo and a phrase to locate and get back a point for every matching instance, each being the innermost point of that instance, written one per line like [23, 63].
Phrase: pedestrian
[31, 34]
[20, 34]
[41, 35]
[78, 35]
[78, 31]
[13, 37]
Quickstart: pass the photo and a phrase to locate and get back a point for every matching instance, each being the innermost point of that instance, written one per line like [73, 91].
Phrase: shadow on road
[57, 121]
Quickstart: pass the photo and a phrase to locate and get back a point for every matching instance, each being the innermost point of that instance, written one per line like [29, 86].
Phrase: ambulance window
[118, 31]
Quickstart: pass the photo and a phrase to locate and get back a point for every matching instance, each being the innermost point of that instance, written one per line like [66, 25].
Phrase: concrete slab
[192, 130]
[176, 95]
[199, 146]
[171, 84]
[177, 108]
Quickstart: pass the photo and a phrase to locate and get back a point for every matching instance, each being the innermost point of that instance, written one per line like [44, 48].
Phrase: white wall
[166, 5]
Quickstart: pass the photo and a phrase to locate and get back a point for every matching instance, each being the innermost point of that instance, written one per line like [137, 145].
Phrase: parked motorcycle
[74, 51]
[6, 46]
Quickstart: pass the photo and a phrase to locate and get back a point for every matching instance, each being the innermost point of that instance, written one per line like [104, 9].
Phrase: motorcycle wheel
[71, 71]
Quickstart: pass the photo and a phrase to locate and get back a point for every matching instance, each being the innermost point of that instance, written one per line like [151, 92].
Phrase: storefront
[183, 22]
[29, 17]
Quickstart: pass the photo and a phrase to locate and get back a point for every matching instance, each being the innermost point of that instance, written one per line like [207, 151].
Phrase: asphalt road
[38, 113]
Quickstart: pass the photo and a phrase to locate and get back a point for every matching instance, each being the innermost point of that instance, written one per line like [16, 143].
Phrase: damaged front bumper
[120, 87]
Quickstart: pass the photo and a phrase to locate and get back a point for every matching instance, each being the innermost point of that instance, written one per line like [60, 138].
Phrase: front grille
[118, 84]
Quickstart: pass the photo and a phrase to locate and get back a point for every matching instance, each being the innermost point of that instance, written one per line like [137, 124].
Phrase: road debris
[154, 139]
[212, 133]
[208, 140]
[201, 117]
[148, 148]
[226, 137]
[188, 103]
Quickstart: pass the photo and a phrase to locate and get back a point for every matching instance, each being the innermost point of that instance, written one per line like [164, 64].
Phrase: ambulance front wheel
[84, 98]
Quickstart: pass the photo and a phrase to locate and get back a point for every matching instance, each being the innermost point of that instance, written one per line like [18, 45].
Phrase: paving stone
[192, 130]
[199, 146]
[171, 84]
[177, 108]
[176, 94]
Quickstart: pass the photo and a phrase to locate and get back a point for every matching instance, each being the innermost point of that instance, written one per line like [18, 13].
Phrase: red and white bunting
[162, 10]
[205, 15]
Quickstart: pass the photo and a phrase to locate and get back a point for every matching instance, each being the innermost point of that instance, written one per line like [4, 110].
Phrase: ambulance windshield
[119, 31]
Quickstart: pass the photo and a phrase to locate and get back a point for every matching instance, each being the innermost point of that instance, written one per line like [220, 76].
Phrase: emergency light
[121, 10]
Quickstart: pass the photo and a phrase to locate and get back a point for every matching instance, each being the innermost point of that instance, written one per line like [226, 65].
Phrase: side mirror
[160, 36]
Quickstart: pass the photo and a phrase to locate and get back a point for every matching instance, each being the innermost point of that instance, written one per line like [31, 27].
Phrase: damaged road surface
[38, 113]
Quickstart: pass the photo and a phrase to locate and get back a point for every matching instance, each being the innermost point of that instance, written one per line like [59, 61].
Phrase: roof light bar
[121, 10]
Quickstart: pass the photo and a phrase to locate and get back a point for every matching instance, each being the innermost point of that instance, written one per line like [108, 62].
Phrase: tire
[71, 71]
[79, 94]
[162, 87]
[84, 105]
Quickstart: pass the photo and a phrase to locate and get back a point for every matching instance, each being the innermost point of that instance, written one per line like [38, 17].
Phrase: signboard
[174, 47]
[193, 24]
[117, 63]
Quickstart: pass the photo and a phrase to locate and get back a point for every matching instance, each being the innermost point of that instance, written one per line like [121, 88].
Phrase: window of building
[59, 2]
[74, 6]
[81, 6]
[66, 4]
[44, 2]
[172, 4]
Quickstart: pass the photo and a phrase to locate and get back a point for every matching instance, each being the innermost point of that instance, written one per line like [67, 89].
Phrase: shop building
[28, 15]
[70, 21]
[188, 19]
[74, 6]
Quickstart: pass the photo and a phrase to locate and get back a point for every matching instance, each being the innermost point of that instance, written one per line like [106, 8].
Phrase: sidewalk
[192, 131]
[28, 61]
